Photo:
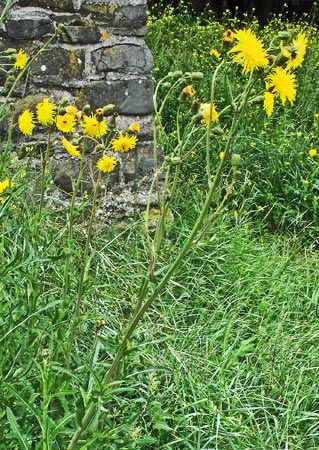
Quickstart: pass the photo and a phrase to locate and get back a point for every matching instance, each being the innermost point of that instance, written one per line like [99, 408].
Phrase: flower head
[22, 60]
[134, 127]
[124, 143]
[298, 51]
[26, 123]
[46, 112]
[93, 127]
[283, 84]
[5, 184]
[228, 36]
[189, 90]
[250, 51]
[106, 163]
[209, 113]
[71, 109]
[312, 152]
[269, 101]
[65, 122]
[70, 148]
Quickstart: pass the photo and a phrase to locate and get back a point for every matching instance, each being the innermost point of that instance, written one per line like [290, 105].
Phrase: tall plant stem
[84, 264]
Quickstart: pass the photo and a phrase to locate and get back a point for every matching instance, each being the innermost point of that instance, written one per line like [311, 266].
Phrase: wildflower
[65, 123]
[228, 36]
[269, 100]
[209, 113]
[5, 184]
[312, 152]
[106, 163]
[282, 84]
[21, 61]
[222, 155]
[92, 127]
[134, 127]
[70, 148]
[215, 53]
[25, 122]
[250, 51]
[189, 90]
[46, 112]
[124, 143]
[316, 115]
[71, 109]
[260, 208]
[298, 51]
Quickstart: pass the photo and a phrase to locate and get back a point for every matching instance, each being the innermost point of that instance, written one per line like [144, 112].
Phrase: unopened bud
[64, 101]
[176, 74]
[166, 85]
[108, 108]
[235, 160]
[197, 76]
[86, 109]
[217, 131]
[285, 35]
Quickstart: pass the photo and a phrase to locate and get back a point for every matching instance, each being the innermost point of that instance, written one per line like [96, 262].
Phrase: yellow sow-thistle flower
[312, 152]
[298, 51]
[283, 84]
[71, 109]
[124, 143]
[65, 123]
[189, 90]
[106, 164]
[22, 60]
[134, 127]
[26, 123]
[206, 110]
[250, 51]
[269, 102]
[93, 127]
[46, 112]
[70, 148]
[5, 184]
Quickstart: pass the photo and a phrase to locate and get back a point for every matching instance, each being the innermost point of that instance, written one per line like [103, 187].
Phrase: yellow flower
[124, 143]
[316, 115]
[74, 112]
[46, 112]
[206, 110]
[250, 51]
[215, 53]
[5, 184]
[135, 127]
[269, 101]
[228, 36]
[106, 163]
[221, 155]
[21, 61]
[298, 51]
[312, 152]
[25, 122]
[283, 84]
[93, 127]
[65, 123]
[70, 148]
[189, 90]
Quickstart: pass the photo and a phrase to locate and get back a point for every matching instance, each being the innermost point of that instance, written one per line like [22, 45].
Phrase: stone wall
[100, 57]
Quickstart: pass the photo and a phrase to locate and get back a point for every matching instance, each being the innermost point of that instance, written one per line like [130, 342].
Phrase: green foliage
[279, 178]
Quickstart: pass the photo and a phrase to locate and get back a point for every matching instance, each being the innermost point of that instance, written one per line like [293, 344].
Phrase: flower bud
[284, 35]
[108, 108]
[217, 131]
[176, 74]
[235, 160]
[86, 109]
[64, 101]
[197, 76]
[167, 85]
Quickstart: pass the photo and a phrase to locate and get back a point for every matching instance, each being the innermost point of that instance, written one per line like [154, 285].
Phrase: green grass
[227, 357]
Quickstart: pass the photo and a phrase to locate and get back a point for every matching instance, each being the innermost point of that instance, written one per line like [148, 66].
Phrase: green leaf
[16, 429]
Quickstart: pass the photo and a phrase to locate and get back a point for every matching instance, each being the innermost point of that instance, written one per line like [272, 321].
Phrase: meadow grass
[226, 357]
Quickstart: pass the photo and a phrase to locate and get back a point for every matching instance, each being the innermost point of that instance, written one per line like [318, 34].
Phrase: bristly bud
[98, 148]
[195, 106]
[167, 85]
[235, 160]
[176, 74]
[86, 109]
[217, 131]
[112, 122]
[197, 76]
[108, 108]
[284, 35]
[64, 101]
[10, 51]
